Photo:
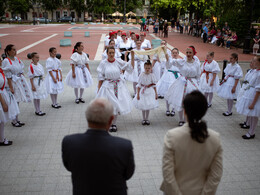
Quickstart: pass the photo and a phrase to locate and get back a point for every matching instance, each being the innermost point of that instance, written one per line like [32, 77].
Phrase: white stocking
[81, 92]
[230, 105]
[115, 119]
[181, 115]
[167, 106]
[76, 93]
[210, 97]
[53, 99]
[253, 124]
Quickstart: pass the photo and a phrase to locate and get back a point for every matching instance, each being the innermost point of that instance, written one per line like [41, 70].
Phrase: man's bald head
[99, 112]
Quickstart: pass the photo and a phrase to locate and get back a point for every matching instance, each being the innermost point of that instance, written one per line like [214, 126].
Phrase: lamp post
[246, 49]
[124, 11]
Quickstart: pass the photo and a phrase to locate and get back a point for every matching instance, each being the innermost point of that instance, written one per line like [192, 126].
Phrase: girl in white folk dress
[13, 70]
[184, 84]
[8, 106]
[146, 97]
[124, 46]
[169, 76]
[209, 81]
[138, 64]
[249, 103]
[117, 54]
[112, 87]
[79, 76]
[248, 76]
[54, 83]
[36, 74]
[230, 86]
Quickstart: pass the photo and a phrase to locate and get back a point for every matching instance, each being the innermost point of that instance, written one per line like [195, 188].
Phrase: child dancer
[146, 97]
[13, 69]
[79, 76]
[167, 79]
[230, 86]
[249, 103]
[209, 81]
[117, 54]
[54, 83]
[8, 106]
[248, 76]
[138, 63]
[38, 87]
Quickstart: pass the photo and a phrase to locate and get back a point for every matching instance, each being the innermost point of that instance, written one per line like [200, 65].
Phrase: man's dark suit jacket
[99, 163]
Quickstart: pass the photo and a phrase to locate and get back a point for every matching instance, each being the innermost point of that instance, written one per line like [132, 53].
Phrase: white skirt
[134, 76]
[158, 69]
[205, 86]
[147, 99]
[165, 82]
[175, 94]
[13, 108]
[51, 87]
[122, 103]
[80, 81]
[22, 91]
[40, 86]
[224, 90]
[245, 101]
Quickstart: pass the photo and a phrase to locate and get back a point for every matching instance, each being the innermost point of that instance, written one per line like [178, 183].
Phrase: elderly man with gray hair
[99, 163]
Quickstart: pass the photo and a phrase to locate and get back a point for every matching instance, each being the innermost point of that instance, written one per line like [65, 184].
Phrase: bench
[87, 34]
[156, 43]
[85, 23]
[67, 34]
[65, 42]
[72, 23]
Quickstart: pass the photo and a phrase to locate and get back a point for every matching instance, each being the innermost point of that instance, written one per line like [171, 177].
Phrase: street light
[124, 11]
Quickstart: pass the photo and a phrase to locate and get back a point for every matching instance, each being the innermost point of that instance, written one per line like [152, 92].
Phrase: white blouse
[146, 44]
[212, 67]
[146, 79]
[53, 64]
[37, 70]
[79, 59]
[13, 68]
[234, 70]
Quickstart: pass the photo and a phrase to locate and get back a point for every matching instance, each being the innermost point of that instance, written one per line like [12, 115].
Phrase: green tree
[2, 7]
[51, 5]
[100, 6]
[79, 6]
[131, 5]
[19, 6]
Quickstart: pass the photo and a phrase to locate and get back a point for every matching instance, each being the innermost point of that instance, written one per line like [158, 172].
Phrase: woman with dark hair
[53, 80]
[192, 156]
[79, 76]
[112, 87]
[13, 70]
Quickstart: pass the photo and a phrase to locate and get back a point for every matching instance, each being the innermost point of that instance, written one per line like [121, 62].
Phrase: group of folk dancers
[166, 76]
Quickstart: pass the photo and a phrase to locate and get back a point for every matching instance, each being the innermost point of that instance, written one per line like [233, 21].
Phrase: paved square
[33, 165]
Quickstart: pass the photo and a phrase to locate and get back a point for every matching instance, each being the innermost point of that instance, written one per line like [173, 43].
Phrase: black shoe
[77, 101]
[168, 113]
[55, 106]
[143, 122]
[58, 106]
[81, 100]
[147, 122]
[227, 113]
[250, 137]
[181, 123]
[22, 124]
[113, 128]
[209, 105]
[16, 124]
[244, 126]
[172, 113]
[6, 143]
[241, 124]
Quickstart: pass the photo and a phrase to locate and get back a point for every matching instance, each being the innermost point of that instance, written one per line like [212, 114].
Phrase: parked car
[15, 19]
[42, 20]
[65, 19]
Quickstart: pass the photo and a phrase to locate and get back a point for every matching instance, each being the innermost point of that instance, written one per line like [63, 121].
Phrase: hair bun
[148, 61]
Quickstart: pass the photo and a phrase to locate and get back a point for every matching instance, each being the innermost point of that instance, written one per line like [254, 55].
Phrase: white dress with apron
[37, 73]
[248, 96]
[10, 100]
[54, 65]
[245, 84]
[113, 87]
[147, 100]
[146, 44]
[184, 84]
[232, 73]
[207, 75]
[14, 70]
[83, 77]
[133, 76]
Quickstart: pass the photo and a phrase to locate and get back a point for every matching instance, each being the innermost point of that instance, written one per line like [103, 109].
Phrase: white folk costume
[159, 67]
[147, 101]
[170, 75]
[248, 96]
[186, 83]
[37, 73]
[133, 76]
[125, 47]
[83, 77]
[245, 84]
[13, 109]
[108, 40]
[232, 73]
[113, 88]
[14, 69]
[54, 65]
[117, 54]
[146, 44]
[207, 70]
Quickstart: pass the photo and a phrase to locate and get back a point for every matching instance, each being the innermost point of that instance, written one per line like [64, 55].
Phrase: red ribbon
[2, 72]
[31, 67]
[11, 61]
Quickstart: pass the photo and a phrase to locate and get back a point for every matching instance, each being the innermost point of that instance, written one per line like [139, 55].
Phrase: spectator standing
[256, 40]
[161, 22]
[156, 27]
[191, 27]
[99, 163]
[165, 29]
[192, 154]
[200, 22]
[205, 33]
[173, 23]
[178, 24]
[142, 23]
[186, 24]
